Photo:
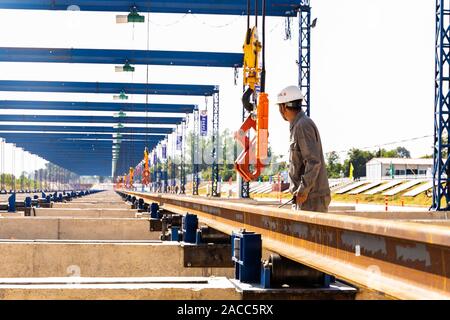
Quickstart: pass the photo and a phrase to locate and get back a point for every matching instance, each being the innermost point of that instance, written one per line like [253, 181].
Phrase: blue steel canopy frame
[92, 87]
[274, 8]
[441, 169]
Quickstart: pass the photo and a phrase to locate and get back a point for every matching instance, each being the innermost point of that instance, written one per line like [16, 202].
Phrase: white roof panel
[383, 187]
[402, 187]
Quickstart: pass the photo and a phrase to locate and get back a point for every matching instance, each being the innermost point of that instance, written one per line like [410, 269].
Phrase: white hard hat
[289, 94]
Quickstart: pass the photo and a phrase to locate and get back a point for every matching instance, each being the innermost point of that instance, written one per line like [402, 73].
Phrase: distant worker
[307, 170]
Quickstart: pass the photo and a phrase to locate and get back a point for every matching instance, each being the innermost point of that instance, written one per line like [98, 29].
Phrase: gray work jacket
[307, 169]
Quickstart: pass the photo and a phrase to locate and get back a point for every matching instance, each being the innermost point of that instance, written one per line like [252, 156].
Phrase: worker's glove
[300, 198]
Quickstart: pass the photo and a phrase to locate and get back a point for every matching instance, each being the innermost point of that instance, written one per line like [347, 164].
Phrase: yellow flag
[351, 171]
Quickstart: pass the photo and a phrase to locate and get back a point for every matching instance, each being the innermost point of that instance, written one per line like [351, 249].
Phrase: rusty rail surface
[402, 260]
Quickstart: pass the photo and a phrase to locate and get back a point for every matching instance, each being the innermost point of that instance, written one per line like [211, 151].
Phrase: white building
[380, 168]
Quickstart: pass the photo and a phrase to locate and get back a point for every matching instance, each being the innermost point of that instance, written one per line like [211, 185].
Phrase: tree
[402, 152]
[358, 158]
[334, 166]
[399, 152]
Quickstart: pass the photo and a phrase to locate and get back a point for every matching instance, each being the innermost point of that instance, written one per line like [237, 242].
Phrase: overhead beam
[34, 136]
[96, 106]
[86, 129]
[108, 87]
[91, 119]
[224, 7]
[120, 57]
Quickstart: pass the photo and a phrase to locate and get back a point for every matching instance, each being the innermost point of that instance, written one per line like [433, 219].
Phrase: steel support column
[195, 149]
[2, 152]
[183, 160]
[41, 187]
[305, 56]
[442, 108]
[173, 176]
[215, 146]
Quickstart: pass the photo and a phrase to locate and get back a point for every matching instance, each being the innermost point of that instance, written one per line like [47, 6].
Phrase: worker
[307, 170]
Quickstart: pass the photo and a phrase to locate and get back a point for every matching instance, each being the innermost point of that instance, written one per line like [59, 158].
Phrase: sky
[372, 72]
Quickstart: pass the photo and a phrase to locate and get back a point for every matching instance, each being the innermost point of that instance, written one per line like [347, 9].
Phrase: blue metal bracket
[190, 225]
[246, 253]
[175, 234]
[12, 203]
[154, 211]
[27, 202]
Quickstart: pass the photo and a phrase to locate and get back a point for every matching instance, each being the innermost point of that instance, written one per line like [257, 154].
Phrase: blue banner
[164, 152]
[179, 142]
[204, 123]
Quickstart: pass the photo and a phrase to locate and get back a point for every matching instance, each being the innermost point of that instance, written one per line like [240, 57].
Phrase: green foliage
[334, 167]
[402, 152]
[399, 152]
[8, 181]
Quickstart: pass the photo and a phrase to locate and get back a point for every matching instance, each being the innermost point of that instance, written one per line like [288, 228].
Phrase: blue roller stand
[28, 202]
[175, 235]
[141, 204]
[246, 252]
[190, 225]
[154, 210]
[12, 203]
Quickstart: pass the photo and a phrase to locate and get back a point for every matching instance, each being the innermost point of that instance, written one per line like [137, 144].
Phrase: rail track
[398, 259]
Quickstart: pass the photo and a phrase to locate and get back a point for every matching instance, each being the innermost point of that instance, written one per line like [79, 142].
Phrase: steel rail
[401, 260]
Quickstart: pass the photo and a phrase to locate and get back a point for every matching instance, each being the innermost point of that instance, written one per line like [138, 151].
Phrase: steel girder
[120, 57]
[84, 129]
[90, 119]
[96, 106]
[108, 87]
[224, 7]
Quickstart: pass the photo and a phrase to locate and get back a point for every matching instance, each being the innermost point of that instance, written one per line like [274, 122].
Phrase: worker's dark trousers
[316, 204]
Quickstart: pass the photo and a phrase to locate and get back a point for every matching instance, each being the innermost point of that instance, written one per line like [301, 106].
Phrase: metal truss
[305, 56]
[441, 170]
[183, 160]
[195, 149]
[215, 146]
